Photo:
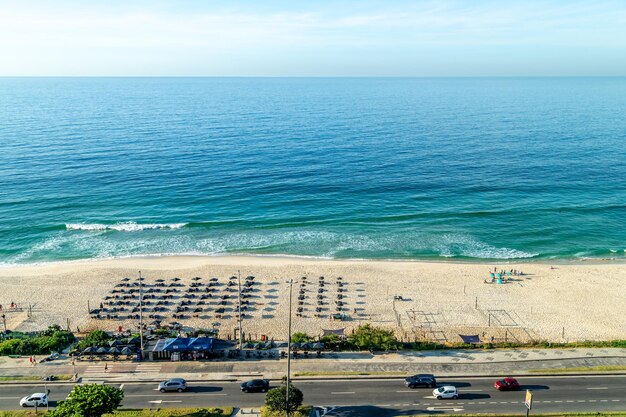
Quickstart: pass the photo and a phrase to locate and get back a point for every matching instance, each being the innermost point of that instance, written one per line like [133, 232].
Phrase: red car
[506, 384]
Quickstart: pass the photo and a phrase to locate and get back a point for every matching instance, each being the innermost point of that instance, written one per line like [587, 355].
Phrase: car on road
[174, 384]
[446, 392]
[256, 385]
[506, 384]
[39, 399]
[421, 380]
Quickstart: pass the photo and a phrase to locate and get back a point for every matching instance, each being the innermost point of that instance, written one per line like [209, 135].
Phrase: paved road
[380, 397]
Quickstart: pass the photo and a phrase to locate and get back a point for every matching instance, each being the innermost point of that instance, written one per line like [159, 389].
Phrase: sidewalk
[495, 362]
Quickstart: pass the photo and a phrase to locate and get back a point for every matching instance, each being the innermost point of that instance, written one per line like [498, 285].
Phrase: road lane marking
[10, 398]
[163, 401]
[342, 392]
[454, 409]
[599, 388]
[473, 390]
[122, 387]
[406, 391]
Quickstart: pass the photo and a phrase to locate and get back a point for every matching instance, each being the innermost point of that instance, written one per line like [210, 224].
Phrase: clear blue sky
[313, 38]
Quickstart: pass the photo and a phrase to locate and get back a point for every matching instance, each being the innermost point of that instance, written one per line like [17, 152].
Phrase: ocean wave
[123, 227]
[299, 243]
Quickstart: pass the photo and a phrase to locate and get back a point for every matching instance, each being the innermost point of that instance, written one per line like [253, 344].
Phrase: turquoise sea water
[489, 168]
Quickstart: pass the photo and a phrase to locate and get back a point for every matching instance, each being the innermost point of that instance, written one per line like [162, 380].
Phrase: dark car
[506, 384]
[256, 385]
[421, 380]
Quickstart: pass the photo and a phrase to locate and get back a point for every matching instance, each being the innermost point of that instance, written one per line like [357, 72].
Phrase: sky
[312, 38]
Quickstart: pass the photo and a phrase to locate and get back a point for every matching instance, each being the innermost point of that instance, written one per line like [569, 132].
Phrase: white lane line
[599, 388]
[406, 391]
[473, 390]
[343, 392]
[122, 387]
[10, 398]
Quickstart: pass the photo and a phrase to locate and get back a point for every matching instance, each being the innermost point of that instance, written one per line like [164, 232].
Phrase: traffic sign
[529, 399]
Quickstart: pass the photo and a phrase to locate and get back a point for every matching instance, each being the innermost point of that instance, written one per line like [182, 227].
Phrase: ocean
[375, 168]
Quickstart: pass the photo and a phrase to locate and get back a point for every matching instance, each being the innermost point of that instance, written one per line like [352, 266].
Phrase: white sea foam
[123, 227]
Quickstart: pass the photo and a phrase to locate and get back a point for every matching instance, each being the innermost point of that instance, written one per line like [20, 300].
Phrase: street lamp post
[140, 316]
[289, 348]
[4, 321]
[240, 329]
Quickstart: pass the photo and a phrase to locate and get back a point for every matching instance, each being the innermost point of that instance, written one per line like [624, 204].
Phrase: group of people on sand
[13, 306]
[503, 272]
[501, 277]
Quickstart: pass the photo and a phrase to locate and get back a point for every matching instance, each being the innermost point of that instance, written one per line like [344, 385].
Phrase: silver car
[174, 384]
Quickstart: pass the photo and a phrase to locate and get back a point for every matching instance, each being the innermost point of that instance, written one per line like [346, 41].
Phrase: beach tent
[470, 338]
[338, 332]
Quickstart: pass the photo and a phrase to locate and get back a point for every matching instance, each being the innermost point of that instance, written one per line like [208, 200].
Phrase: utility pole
[4, 321]
[140, 316]
[240, 328]
[289, 349]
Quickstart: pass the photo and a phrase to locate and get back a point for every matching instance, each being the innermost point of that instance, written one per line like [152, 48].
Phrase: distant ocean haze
[415, 168]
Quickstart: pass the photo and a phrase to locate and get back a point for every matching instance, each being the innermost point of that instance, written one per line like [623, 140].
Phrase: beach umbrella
[196, 278]
[101, 350]
[268, 345]
[282, 345]
[317, 345]
[258, 345]
[160, 280]
[88, 350]
[127, 351]
[305, 346]
[125, 279]
[295, 345]
[140, 279]
[248, 346]
[115, 342]
[115, 351]
[175, 279]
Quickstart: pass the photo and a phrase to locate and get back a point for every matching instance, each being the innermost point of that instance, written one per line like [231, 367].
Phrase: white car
[38, 399]
[445, 392]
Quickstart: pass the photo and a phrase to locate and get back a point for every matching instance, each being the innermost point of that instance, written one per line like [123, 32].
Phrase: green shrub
[95, 338]
[90, 400]
[51, 340]
[300, 338]
[373, 338]
[276, 398]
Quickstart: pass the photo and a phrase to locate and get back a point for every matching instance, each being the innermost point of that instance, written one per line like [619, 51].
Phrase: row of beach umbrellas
[270, 345]
[102, 350]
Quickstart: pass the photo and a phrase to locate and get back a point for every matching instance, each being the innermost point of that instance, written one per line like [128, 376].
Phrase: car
[506, 384]
[256, 385]
[39, 399]
[446, 392]
[175, 384]
[421, 380]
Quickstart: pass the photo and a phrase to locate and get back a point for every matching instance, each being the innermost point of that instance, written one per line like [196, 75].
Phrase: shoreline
[521, 261]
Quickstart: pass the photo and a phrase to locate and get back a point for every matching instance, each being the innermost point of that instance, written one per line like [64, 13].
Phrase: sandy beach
[440, 300]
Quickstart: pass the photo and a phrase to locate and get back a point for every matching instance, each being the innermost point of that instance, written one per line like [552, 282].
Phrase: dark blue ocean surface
[489, 168]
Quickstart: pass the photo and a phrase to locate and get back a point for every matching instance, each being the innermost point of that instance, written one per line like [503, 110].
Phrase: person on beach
[106, 367]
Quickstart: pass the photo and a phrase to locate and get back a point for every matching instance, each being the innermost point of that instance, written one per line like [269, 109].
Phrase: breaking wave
[123, 227]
